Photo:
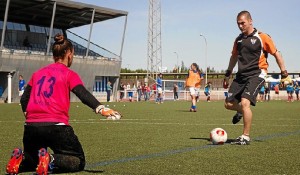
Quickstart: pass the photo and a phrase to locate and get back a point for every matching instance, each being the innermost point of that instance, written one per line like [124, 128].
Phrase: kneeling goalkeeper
[46, 103]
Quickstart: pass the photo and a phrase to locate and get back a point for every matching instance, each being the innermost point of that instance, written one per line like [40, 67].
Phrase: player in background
[261, 94]
[175, 91]
[296, 87]
[129, 91]
[267, 92]
[197, 95]
[139, 91]
[108, 91]
[207, 91]
[122, 89]
[147, 92]
[159, 99]
[153, 91]
[250, 51]
[144, 87]
[22, 85]
[290, 92]
[192, 82]
[276, 89]
[45, 104]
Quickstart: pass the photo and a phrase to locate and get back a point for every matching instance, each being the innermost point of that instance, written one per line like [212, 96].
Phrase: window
[9, 26]
[15, 26]
[54, 31]
[37, 29]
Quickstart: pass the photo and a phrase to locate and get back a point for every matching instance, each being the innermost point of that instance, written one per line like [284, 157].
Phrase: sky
[184, 20]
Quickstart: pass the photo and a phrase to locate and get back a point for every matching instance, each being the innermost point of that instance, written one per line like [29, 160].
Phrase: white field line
[168, 123]
[160, 122]
[148, 123]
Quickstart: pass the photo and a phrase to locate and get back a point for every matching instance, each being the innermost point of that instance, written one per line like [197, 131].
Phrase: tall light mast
[154, 53]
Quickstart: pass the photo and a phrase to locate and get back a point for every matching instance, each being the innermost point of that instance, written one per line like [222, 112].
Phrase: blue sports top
[159, 82]
[22, 85]
[206, 89]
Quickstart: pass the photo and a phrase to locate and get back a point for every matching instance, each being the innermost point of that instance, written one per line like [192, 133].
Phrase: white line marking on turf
[128, 119]
[167, 123]
[136, 121]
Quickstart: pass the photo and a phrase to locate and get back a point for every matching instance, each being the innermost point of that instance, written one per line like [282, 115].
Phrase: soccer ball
[218, 136]
[115, 117]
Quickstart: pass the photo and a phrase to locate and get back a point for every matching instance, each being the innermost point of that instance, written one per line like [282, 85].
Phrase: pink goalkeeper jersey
[50, 94]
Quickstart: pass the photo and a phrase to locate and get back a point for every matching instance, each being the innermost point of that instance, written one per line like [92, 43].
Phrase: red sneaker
[15, 161]
[44, 160]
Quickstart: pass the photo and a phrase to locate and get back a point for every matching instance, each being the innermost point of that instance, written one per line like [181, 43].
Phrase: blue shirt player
[290, 91]
[207, 91]
[296, 87]
[22, 84]
[159, 89]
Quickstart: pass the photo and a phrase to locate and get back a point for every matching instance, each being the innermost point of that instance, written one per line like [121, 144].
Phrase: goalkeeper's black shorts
[61, 139]
[245, 89]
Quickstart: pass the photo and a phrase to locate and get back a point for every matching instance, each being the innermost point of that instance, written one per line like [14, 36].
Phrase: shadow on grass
[200, 138]
[208, 139]
[187, 111]
[88, 171]
[94, 171]
[256, 140]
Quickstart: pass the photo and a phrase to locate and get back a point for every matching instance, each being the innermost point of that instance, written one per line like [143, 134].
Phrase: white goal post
[184, 94]
[168, 92]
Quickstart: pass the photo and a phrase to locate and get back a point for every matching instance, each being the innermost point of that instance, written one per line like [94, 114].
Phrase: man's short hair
[246, 13]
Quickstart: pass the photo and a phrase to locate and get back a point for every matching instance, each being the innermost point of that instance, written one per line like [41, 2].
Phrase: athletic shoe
[193, 110]
[236, 118]
[14, 162]
[44, 160]
[241, 140]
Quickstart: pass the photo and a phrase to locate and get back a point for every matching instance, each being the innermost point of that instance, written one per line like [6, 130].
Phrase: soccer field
[167, 139]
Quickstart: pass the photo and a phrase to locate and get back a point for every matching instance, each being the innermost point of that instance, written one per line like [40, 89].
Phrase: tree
[211, 70]
[125, 70]
[183, 68]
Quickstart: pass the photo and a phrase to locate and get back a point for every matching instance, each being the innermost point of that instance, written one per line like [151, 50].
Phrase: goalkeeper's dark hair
[60, 46]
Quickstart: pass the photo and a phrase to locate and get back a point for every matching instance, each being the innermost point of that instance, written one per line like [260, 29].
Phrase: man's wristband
[284, 74]
[227, 73]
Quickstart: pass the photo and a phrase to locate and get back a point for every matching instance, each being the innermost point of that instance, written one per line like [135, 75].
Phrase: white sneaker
[242, 140]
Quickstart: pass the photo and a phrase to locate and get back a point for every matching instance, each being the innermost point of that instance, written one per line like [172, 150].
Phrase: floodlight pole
[123, 38]
[154, 52]
[90, 34]
[4, 24]
[205, 58]
[51, 28]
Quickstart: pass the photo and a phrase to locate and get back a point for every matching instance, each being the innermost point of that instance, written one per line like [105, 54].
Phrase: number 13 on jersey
[46, 86]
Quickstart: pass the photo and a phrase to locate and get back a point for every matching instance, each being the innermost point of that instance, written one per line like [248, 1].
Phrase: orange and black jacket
[252, 52]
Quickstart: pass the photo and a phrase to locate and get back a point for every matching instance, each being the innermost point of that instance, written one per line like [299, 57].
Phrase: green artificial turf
[162, 139]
